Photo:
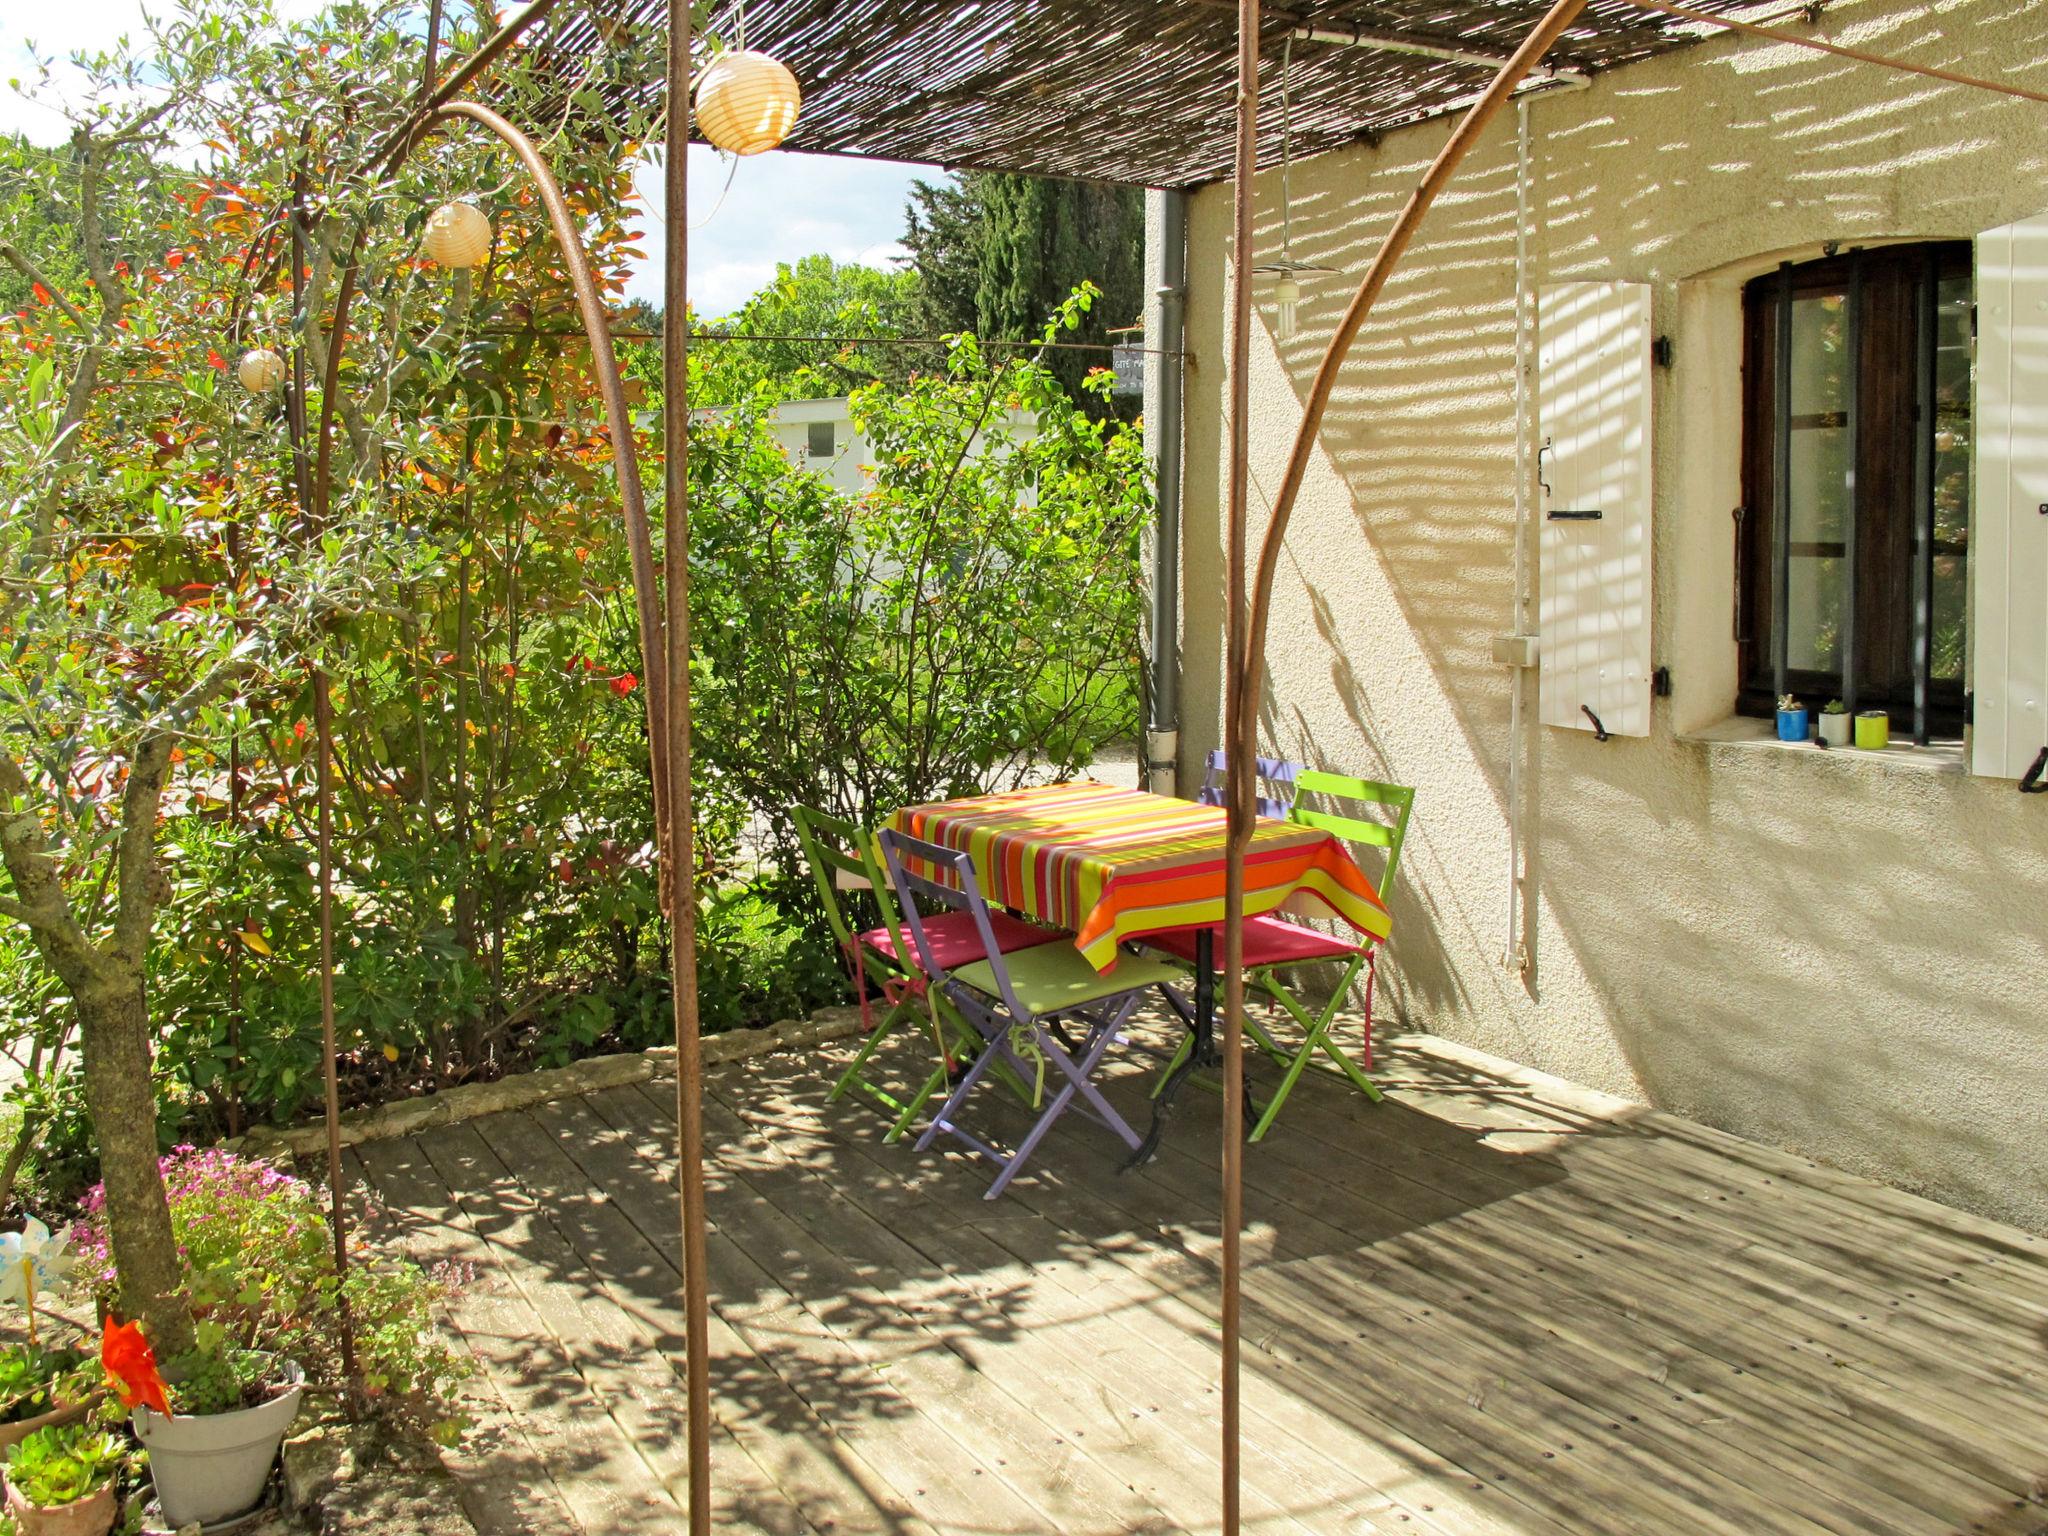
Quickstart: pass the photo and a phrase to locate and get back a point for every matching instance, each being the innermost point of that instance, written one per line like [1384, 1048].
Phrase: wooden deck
[1493, 1306]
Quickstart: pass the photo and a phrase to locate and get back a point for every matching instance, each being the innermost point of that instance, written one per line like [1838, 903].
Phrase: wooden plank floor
[1495, 1305]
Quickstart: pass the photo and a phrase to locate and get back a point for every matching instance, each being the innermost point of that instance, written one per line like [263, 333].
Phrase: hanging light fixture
[1287, 291]
[747, 102]
[457, 235]
[260, 371]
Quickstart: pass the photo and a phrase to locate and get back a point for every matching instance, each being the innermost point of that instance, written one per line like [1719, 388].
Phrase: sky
[745, 216]
[748, 215]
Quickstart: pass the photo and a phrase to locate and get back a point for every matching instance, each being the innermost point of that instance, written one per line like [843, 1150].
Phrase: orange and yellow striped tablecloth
[1113, 864]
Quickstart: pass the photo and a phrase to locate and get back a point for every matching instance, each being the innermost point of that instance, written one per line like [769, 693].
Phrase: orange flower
[130, 1365]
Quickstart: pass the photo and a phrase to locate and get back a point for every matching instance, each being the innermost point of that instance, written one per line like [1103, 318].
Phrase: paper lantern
[1286, 294]
[458, 235]
[260, 371]
[747, 102]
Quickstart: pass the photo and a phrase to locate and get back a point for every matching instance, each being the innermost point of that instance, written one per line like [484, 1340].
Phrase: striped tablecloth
[1113, 864]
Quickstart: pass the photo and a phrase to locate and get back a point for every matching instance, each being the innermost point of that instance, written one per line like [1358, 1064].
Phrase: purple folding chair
[1019, 1003]
[1274, 774]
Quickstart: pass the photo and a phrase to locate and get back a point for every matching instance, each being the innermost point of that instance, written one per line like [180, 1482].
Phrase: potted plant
[1873, 730]
[40, 1387]
[213, 1431]
[60, 1481]
[1834, 723]
[1791, 719]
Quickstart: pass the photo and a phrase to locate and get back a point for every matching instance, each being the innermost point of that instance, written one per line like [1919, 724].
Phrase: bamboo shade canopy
[1134, 92]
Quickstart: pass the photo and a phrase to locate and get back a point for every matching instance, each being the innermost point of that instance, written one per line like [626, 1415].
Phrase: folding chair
[1276, 774]
[1019, 1003]
[842, 860]
[1273, 944]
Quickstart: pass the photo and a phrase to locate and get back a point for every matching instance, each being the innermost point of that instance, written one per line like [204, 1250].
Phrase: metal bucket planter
[92, 1515]
[212, 1467]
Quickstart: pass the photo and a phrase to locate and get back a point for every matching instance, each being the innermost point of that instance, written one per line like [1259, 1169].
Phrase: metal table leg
[1203, 1054]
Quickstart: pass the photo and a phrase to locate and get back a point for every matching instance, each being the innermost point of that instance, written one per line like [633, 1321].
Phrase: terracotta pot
[21, 1429]
[211, 1467]
[89, 1516]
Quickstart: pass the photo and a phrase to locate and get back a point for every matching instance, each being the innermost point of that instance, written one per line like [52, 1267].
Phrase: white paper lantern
[747, 102]
[458, 235]
[260, 371]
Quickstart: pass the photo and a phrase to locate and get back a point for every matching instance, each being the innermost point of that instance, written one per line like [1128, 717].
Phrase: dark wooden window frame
[1892, 292]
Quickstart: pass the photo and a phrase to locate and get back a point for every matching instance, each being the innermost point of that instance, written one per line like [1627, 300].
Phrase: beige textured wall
[1826, 952]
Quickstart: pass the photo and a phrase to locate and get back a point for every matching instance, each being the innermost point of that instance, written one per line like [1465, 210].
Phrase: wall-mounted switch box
[1515, 650]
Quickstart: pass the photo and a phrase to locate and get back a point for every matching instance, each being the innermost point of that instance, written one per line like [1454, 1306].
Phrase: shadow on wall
[1841, 957]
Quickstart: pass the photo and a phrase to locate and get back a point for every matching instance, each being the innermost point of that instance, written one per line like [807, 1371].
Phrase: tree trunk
[119, 1094]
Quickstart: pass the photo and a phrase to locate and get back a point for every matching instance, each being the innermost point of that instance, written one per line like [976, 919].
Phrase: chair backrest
[956, 891]
[1277, 774]
[1398, 799]
[842, 858]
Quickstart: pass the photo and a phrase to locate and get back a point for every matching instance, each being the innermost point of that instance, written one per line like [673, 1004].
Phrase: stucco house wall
[1835, 953]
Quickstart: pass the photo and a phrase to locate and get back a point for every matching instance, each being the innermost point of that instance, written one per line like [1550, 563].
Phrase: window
[821, 445]
[1853, 534]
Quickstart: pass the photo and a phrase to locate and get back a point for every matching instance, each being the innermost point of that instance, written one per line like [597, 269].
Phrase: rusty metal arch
[664, 650]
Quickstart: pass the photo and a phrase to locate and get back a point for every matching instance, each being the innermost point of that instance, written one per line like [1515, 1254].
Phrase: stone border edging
[408, 1117]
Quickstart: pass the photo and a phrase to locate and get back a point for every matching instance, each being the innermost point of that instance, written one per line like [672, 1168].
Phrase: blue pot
[1792, 725]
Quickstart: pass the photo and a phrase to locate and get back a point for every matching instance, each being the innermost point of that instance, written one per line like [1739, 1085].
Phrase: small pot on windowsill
[1873, 730]
[1792, 720]
[1836, 725]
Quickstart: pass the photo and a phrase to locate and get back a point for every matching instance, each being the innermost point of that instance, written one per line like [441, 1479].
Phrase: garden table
[1111, 864]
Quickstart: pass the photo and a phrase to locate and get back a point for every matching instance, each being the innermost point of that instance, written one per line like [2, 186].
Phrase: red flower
[130, 1365]
[215, 360]
[42, 294]
[624, 684]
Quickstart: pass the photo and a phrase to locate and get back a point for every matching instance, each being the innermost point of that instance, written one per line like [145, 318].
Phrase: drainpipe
[1166, 275]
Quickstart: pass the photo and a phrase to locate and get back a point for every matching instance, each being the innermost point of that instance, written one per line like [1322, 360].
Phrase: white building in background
[820, 436]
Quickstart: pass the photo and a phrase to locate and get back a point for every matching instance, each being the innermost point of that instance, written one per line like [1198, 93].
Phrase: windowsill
[1745, 733]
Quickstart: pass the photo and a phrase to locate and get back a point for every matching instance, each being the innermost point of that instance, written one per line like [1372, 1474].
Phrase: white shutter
[2009, 540]
[1593, 392]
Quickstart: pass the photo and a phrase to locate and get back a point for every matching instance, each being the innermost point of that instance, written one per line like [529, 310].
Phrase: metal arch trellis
[663, 634]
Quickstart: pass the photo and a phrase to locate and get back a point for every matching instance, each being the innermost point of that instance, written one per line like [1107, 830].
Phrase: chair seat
[955, 942]
[1268, 941]
[1052, 978]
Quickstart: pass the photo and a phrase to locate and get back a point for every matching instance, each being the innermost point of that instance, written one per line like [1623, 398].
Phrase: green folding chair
[1274, 945]
[843, 861]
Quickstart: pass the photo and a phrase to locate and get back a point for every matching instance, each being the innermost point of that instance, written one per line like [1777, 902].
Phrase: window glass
[1952, 443]
[821, 444]
[1820, 483]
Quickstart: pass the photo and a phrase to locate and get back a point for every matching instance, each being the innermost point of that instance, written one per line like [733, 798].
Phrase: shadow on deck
[1494, 1304]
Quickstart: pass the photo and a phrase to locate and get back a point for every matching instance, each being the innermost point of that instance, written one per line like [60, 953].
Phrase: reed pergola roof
[1135, 92]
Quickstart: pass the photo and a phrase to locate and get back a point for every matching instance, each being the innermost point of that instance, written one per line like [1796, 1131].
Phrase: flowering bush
[259, 1264]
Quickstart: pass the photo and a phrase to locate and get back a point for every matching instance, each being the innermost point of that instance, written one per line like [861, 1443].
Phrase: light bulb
[1286, 294]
